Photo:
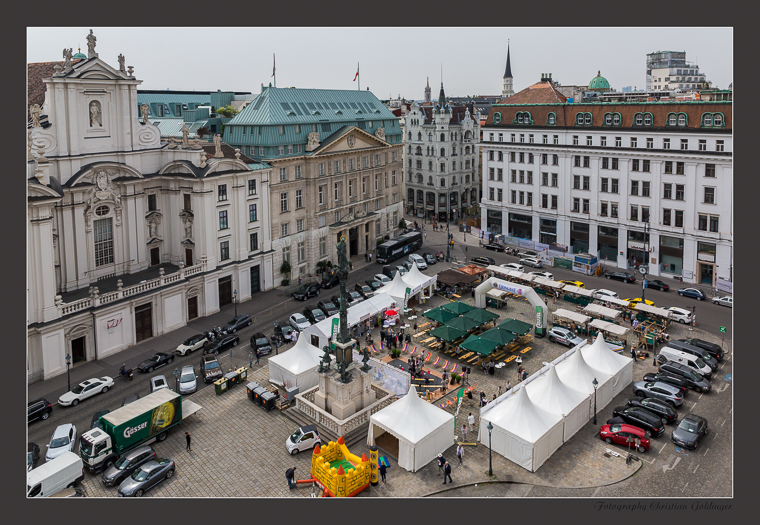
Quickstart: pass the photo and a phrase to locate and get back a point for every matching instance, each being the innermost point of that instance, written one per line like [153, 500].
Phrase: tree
[227, 111]
[285, 269]
[203, 130]
[402, 224]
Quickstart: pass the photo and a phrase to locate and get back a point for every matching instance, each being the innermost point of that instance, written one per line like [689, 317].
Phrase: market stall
[651, 325]
[571, 320]
[422, 285]
[496, 298]
[601, 311]
[453, 281]
[577, 295]
[614, 335]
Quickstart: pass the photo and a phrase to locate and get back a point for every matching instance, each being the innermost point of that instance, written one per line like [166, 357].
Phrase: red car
[620, 433]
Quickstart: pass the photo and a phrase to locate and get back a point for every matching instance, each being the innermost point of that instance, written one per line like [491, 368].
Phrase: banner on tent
[387, 376]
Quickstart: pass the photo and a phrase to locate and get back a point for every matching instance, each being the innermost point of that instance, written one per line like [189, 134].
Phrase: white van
[692, 361]
[55, 475]
[418, 260]
[681, 315]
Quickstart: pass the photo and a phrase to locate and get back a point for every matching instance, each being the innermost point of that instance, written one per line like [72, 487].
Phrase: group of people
[392, 339]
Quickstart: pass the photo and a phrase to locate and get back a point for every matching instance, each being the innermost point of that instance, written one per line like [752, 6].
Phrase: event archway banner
[542, 312]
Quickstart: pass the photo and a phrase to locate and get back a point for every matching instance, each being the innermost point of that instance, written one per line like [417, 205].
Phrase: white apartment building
[669, 70]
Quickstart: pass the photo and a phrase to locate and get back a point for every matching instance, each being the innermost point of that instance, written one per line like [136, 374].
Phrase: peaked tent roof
[549, 392]
[303, 356]
[416, 278]
[602, 358]
[412, 418]
[578, 374]
[522, 417]
[397, 287]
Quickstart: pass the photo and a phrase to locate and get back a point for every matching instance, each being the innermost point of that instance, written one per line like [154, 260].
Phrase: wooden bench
[420, 334]
[437, 344]
[510, 358]
[472, 359]
[466, 356]
[457, 296]
[425, 325]
[525, 350]
[426, 341]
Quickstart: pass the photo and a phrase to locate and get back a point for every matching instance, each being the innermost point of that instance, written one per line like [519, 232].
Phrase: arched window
[648, 119]
[588, 119]
[443, 137]
[443, 182]
[682, 119]
[443, 152]
[707, 119]
[519, 118]
[410, 135]
[638, 119]
[419, 136]
[497, 118]
[551, 119]
[410, 148]
[607, 119]
[616, 119]
[467, 178]
[579, 119]
[717, 119]
[419, 178]
[430, 137]
[672, 119]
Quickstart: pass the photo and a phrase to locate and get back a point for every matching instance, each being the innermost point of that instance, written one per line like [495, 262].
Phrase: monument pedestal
[340, 399]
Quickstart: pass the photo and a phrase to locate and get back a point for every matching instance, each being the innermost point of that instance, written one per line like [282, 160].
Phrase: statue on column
[185, 133]
[144, 110]
[91, 40]
[121, 62]
[35, 111]
[365, 360]
[324, 364]
[342, 276]
[218, 146]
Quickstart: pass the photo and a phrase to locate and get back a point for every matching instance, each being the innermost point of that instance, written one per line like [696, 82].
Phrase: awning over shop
[595, 309]
[548, 282]
[662, 312]
[577, 291]
[455, 278]
[497, 294]
[613, 300]
[575, 317]
[609, 327]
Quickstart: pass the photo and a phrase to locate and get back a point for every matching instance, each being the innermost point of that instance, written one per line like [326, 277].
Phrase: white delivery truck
[55, 475]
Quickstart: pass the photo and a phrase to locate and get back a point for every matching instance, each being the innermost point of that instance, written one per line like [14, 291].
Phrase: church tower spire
[427, 91]
[508, 91]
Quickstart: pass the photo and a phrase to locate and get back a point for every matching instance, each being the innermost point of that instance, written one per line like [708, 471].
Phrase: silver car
[299, 322]
[564, 336]
[63, 440]
[658, 390]
[187, 380]
[148, 475]
[531, 261]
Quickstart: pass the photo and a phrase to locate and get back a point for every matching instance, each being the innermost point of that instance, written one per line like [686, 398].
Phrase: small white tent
[322, 331]
[297, 366]
[599, 356]
[417, 280]
[397, 289]
[423, 430]
[523, 432]
[550, 393]
[576, 373]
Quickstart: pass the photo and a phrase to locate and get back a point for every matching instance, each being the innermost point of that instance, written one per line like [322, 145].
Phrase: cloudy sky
[393, 61]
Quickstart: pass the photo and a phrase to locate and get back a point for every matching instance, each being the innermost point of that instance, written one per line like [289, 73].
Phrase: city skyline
[563, 52]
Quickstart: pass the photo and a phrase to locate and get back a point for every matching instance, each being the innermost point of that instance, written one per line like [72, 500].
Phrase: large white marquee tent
[297, 366]
[599, 356]
[550, 393]
[576, 373]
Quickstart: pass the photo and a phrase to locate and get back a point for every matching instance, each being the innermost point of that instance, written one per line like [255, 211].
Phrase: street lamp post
[68, 375]
[595, 383]
[448, 218]
[490, 464]
[176, 380]
[234, 299]
[646, 261]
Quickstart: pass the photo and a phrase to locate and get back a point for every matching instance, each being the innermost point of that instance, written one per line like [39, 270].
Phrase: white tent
[523, 432]
[417, 280]
[596, 309]
[599, 356]
[577, 291]
[576, 373]
[423, 430]
[662, 312]
[397, 289]
[573, 316]
[550, 393]
[612, 328]
[297, 366]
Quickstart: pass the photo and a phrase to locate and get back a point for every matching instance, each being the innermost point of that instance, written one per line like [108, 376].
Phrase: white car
[681, 315]
[85, 389]
[299, 322]
[192, 343]
[187, 380]
[513, 266]
[63, 440]
[724, 301]
[418, 260]
[532, 261]
[545, 275]
[603, 294]
[382, 279]
[157, 383]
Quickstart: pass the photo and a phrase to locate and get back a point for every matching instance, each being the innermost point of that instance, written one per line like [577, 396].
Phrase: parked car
[187, 380]
[493, 246]
[657, 285]
[304, 438]
[656, 406]
[330, 279]
[95, 421]
[237, 323]
[63, 440]
[724, 301]
[637, 300]
[690, 431]
[642, 418]
[682, 315]
[578, 284]
[223, 343]
[602, 294]
[85, 389]
[157, 360]
[131, 398]
[532, 261]
[691, 378]
[146, 477]
[703, 354]
[127, 464]
[692, 361]
[418, 260]
[429, 258]
[314, 315]
[354, 298]
[558, 334]
[336, 301]
[299, 322]
[513, 266]
[545, 275]
[389, 272]
[373, 284]
[157, 383]
[210, 369]
[328, 307]
[626, 435]
[402, 269]
[670, 379]
[192, 343]
[663, 391]
[260, 342]
[32, 455]
[695, 293]
[38, 409]
[306, 290]
[714, 349]
[383, 278]
[483, 261]
[622, 276]
[527, 253]
[364, 290]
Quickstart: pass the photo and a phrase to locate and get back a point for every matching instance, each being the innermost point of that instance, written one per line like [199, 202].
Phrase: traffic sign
[723, 329]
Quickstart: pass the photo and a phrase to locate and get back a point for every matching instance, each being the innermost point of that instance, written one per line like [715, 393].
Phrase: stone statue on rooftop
[121, 62]
[35, 111]
[67, 53]
[91, 40]
[218, 146]
[144, 110]
[185, 133]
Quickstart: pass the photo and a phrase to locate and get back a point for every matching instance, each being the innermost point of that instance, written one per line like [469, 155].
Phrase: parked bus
[399, 247]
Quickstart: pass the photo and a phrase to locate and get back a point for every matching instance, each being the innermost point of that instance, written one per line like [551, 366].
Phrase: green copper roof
[599, 82]
[79, 54]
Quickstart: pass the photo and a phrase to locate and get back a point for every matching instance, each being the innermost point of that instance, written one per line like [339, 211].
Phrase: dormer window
[717, 119]
[648, 119]
[551, 119]
[616, 119]
[707, 120]
[639, 119]
[608, 119]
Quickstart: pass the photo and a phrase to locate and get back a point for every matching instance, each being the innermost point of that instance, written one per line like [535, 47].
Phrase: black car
[306, 290]
[494, 247]
[314, 315]
[389, 271]
[429, 258]
[657, 285]
[703, 354]
[715, 350]
[237, 323]
[131, 398]
[655, 406]
[155, 361]
[328, 308]
[671, 379]
[38, 409]
[642, 418]
[693, 379]
[622, 276]
[690, 431]
[221, 344]
[373, 284]
[335, 299]
[330, 279]
[260, 342]
[126, 465]
[483, 261]
[364, 290]
[210, 368]
[95, 421]
[32, 456]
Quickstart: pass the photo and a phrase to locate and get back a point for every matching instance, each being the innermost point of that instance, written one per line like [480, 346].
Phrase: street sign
[723, 329]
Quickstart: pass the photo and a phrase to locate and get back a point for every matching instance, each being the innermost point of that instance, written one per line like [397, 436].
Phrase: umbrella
[448, 333]
[502, 337]
[391, 313]
[481, 315]
[515, 326]
[458, 307]
[479, 345]
[463, 323]
[437, 314]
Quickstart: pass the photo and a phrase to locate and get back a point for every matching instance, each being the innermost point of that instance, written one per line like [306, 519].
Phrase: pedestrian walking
[464, 433]
[258, 354]
[382, 470]
[370, 256]
[460, 452]
[524, 375]
[633, 352]
[441, 464]
[471, 420]
[426, 236]
[290, 475]
[250, 359]
[188, 439]
[499, 390]
[509, 386]
[447, 473]
[299, 280]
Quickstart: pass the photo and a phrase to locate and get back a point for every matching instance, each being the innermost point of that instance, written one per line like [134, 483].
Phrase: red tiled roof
[227, 150]
[539, 93]
[35, 72]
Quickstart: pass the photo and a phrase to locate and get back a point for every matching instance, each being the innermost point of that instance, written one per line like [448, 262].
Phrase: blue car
[696, 293]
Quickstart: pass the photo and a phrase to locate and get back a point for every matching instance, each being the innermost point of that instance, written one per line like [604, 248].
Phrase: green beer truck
[141, 422]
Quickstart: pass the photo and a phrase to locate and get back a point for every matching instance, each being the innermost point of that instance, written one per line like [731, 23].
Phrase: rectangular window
[634, 187]
[555, 180]
[490, 155]
[635, 165]
[576, 182]
[223, 220]
[152, 202]
[645, 214]
[224, 249]
[645, 165]
[667, 191]
[530, 177]
[491, 193]
[103, 235]
[605, 186]
[364, 185]
[252, 215]
[577, 161]
[614, 186]
[679, 168]
[299, 199]
[679, 219]
[666, 217]
[544, 200]
[512, 156]
[555, 160]
[499, 195]
[350, 188]
[613, 209]
[499, 174]
[586, 161]
[589, 140]
[393, 177]
[668, 166]
[650, 143]
[336, 191]
[290, 149]
[283, 174]
[252, 187]
[350, 164]
[321, 221]
[634, 213]
[556, 139]
[221, 193]
[522, 157]
[634, 142]
[522, 137]
[603, 211]
[702, 223]
[286, 251]
[491, 172]
[321, 195]
[614, 163]
[684, 144]
[522, 197]
[586, 182]
[298, 172]
[603, 141]
[680, 192]
[575, 140]
[514, 176]
[284, 229]
[281, 130]
[709, 170]
[576, 204]
[283, 202]
[605, 163]
[585, 206]
[336, 166]
[254, 241]
[554, 202]
[281, 150]
[322, 246]
[500, 156]
[301, 251]
[545, 139]
[530, 138]
[514, 197]
[529, 201]
[522, 177]
[544, 179]
[377, 182]
[645, 188]
[719, 145]
[364, 162]
[702, 145]
[544, 158]
[618, 142]
[714, 223]
[709, 196]
[188, 201]
[386, 176]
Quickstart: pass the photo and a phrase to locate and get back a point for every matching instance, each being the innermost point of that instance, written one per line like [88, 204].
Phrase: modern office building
[596, 177]
[669, 70]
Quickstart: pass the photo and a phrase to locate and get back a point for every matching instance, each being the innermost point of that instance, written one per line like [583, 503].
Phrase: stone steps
[357, 435]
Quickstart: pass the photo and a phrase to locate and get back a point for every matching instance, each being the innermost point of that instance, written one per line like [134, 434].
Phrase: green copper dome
[79, 54]
[599, 82]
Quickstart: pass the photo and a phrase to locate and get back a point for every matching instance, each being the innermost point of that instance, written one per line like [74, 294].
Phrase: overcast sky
[393, 61]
